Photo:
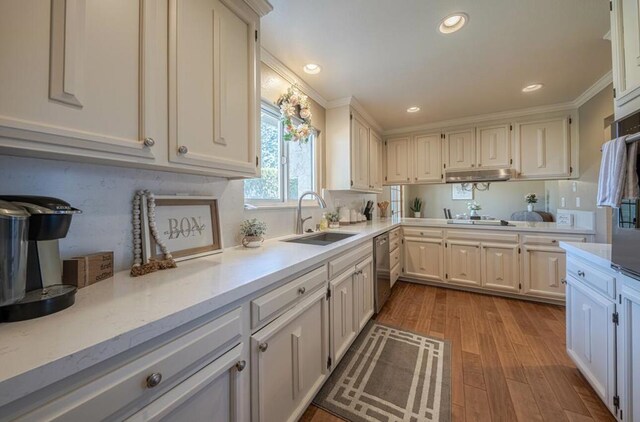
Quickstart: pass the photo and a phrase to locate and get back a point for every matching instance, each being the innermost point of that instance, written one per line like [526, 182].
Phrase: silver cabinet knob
[581, 273]
[182, 150]
[301, 290]
[263, 347]
[241, 365]
[154, 379]
[563, 281]
[554, 241]
[149, 142]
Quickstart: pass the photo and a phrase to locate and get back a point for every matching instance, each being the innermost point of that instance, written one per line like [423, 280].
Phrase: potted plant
[530, 199]
[253, 233]
[416, 207]
[473, 207]
[333, 218]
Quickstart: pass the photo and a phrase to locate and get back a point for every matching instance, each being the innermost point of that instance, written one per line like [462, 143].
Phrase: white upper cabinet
[493, 146]
[625, 40]
[460, 150]
[397, 160]
[77, 78]
[428, 158]
[213, 85]
[353, 151]
[543, 148]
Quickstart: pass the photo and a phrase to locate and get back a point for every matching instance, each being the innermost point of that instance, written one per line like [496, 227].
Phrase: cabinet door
[460, 150]
[463, 262]
[343, 322]
[494, 146]
[359, 154]
[424, 258]
[500, 267]
[364, 293]
[211, 394]
[375, 161]
[213, 72]
[397, 160]
[625, 40]
[629, 350]
[428, 158]
[543, 148]
[80, 78]
[544, 271]
[289, 361]
[591, 337]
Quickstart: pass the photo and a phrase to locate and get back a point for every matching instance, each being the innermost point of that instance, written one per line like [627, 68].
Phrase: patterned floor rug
[390, 375]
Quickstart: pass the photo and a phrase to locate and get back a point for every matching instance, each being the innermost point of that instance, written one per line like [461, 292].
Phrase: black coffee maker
[49, 221]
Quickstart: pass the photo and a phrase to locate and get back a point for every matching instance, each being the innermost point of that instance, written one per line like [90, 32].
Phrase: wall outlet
[578, 202]
[563, 202]
[574, 186]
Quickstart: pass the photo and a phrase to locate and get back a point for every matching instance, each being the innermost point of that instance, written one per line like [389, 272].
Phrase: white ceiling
[390, 55]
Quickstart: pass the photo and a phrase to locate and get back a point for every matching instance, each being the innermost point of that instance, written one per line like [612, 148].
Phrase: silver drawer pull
[554, 241]
[301, 290]
[263, 347]
[154, 379]
[581, 273]
[241, 365]
[182, 150]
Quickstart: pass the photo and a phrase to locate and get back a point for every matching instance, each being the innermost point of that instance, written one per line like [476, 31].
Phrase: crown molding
[261, 7]
[355, 104]
[291, 77]
[594, 89]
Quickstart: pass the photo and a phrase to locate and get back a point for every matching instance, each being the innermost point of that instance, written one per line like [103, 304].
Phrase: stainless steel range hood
[472, 176]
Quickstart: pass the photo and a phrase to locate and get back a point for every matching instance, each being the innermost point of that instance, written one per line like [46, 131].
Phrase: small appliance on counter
[38, 291]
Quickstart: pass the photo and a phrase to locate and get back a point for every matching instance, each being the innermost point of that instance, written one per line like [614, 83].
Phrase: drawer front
[395, 274]
[594, 278]
[272, 304]
[394, 257]
[551, 240]
[394, 244]
[422, 232]
[482, 235]
[349, 259]
[394, 234]
[102, 397]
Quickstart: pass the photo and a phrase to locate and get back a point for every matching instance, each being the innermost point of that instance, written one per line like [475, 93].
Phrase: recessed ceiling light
[312, 68]
[532, 87]
[454, 22]
[413, 109]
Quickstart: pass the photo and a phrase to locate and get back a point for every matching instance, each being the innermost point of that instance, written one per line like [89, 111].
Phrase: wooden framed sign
[188, 225]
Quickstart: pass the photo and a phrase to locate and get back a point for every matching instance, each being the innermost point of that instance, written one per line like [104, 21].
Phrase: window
[396, 201]
[288, 168]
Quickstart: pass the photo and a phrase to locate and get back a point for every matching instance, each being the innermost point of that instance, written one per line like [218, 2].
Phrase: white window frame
[396, 205]
[285, 201]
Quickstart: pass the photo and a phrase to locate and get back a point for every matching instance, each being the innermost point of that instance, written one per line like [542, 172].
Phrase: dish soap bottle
[323, 222]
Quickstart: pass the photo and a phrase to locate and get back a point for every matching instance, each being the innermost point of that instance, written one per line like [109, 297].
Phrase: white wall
[104, 195]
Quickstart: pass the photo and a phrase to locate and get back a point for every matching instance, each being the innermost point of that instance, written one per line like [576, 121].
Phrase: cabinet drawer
[596, 279]
[422, 232]
[482, 235]
[394, 244]
[395, 274]
[394, 234]
[550, 239]
[394, 257]
[349, 259]
[129, 383]
[270, 305]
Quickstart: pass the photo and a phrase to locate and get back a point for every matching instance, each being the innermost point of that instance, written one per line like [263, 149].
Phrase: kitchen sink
[321, 239]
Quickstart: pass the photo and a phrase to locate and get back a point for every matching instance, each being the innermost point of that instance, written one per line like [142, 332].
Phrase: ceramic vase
[252, 241]
[530, 207]
[334, 224]
[416, 214]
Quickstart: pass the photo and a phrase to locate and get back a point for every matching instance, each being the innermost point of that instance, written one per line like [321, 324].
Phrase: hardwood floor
[508, 357]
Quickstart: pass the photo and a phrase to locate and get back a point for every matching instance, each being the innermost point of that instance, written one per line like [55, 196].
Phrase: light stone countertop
[596, 253]
[117, 314]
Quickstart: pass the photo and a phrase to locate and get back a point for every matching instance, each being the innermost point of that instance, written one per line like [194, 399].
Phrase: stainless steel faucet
[299, 220]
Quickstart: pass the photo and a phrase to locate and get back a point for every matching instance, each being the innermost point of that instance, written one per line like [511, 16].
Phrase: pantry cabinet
[427, 153]
[289, 360]
[625, 49]
[500, 267]
[354, 151]
[398, 159]
[460, 149]
[463, 262]
[493, 146]
[543, 148]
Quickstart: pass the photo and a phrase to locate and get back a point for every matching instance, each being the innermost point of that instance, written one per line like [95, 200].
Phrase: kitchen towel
[631, 188]
[613, 173]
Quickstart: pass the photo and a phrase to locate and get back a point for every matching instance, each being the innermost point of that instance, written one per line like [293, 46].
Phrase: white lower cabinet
[629, 350]
[289, 360]
[500, 267]
[463, 262]
[543, 271]
[363, 292]
[211, 394]
[343, 322]
[424, 258]
[591, 337]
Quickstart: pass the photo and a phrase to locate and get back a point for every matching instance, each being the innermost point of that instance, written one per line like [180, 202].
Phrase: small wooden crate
[84, 271]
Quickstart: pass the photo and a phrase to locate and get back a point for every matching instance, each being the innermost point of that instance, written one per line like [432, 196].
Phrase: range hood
[472, 176]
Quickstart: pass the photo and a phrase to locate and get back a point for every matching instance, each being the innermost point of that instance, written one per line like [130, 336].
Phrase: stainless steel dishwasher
[382, 265]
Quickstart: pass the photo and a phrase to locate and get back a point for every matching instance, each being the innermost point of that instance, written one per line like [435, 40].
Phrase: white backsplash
[104, 195]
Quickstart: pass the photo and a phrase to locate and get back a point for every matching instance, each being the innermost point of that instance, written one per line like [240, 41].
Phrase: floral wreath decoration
[292, 104]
